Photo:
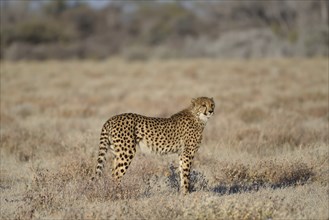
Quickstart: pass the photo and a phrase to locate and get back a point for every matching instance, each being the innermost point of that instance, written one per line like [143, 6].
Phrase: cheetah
[181, 134]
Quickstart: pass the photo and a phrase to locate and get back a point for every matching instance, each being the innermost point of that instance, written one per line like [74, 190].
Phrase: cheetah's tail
[104, 144]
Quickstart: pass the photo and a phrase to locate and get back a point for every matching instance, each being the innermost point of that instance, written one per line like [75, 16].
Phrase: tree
[56, 7]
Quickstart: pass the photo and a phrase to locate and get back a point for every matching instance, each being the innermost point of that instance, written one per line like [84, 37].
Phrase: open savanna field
[264, 153]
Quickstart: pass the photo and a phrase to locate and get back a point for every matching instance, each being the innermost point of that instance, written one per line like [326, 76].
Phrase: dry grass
[264, 154]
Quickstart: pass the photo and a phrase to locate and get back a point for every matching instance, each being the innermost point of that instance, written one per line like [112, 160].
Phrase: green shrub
[38, 31]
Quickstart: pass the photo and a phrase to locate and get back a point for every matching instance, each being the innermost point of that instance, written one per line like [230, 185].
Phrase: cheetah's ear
[193, 101]
[212, 99]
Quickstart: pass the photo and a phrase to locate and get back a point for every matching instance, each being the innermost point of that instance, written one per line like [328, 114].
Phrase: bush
[37, 31]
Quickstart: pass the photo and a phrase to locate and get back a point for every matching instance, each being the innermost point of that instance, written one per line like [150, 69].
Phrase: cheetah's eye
[204, 105]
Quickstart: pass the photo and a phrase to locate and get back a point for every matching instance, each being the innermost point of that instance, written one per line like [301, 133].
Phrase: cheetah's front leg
[185, 162]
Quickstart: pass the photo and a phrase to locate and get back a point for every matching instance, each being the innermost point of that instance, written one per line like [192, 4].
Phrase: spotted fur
[181, 133]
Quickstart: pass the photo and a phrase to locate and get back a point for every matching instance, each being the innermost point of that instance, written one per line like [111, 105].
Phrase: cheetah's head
[203, 107]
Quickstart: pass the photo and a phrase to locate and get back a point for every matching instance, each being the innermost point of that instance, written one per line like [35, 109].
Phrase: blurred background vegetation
[71, 29]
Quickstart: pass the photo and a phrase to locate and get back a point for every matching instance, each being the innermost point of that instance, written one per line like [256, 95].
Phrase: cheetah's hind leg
[123, 158]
